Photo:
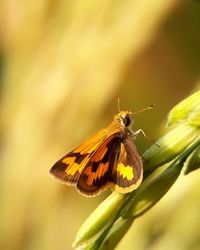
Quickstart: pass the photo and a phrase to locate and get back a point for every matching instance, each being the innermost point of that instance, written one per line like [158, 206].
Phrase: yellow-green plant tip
[193, 162]
[170, 145]
[182, 110]
[100, 217]
[157, 184]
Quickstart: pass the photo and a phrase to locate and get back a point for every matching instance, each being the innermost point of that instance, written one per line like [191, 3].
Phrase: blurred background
[63, 64]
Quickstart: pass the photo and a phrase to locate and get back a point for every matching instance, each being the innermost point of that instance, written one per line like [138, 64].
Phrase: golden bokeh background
[63, 64]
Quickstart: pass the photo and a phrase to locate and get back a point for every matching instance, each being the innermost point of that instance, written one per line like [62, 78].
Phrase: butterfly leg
[140, 131]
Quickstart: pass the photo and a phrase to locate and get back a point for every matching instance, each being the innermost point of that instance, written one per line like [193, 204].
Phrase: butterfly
[107, 159]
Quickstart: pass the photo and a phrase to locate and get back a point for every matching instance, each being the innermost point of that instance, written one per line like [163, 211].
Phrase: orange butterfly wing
[96, 174]
[116, 163]
[69, 167]
[127, 173]
[108, 158]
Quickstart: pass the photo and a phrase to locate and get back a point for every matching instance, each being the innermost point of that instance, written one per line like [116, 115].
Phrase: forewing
[96, 174]
[69, 167]
[127, 173]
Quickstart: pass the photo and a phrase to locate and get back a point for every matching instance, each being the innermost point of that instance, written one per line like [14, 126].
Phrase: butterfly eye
[126, 121]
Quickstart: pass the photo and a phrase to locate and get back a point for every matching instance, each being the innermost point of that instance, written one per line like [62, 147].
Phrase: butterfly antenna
[118, 104]
[147, 108]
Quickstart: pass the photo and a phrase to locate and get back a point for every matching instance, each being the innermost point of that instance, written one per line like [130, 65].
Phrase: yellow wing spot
[73, 169]
[73, 166]
[125, 171]
[68, 160]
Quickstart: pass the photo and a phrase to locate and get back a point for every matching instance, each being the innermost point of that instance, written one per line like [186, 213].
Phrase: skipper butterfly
[108, 158]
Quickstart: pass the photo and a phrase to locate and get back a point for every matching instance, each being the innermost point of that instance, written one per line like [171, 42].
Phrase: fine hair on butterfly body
[107, 159]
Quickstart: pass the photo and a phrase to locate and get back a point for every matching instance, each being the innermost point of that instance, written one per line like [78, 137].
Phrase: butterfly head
[124, 117]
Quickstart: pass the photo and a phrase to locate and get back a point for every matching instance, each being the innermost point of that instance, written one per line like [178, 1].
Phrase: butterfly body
[108, 158]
